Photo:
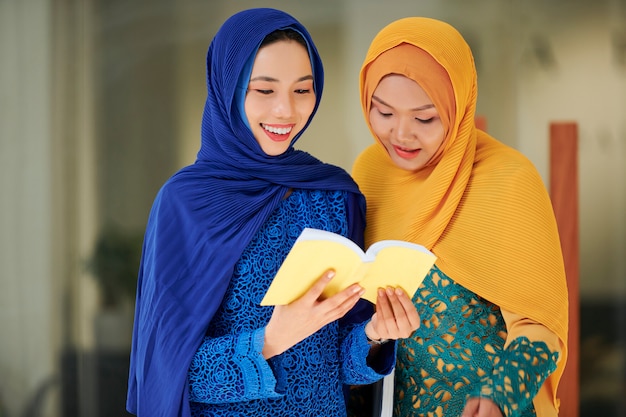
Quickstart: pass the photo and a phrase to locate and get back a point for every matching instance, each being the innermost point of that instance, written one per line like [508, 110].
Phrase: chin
[274, 151]
[411, 167]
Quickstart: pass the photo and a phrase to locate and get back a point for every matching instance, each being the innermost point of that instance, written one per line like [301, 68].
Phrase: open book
[393, 263]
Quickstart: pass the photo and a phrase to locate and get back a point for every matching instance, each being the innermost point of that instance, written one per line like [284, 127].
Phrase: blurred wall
[29, 308]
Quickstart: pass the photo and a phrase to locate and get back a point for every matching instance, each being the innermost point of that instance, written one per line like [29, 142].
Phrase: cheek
[309, 109]
[378, 125]
[251, 106]
[434, 136]
[303, 107]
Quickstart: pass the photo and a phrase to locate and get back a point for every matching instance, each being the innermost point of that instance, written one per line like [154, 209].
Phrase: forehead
[283, 57]
[400, 91]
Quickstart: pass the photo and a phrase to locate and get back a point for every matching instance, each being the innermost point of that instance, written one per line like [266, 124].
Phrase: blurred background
[101, 101]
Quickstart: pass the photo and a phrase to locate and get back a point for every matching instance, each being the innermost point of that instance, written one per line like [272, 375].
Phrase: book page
[317, 234]
[306, 262]
[402, 266]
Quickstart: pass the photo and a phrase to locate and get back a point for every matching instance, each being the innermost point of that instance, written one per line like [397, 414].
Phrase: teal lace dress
[459, 352]
[229, 377]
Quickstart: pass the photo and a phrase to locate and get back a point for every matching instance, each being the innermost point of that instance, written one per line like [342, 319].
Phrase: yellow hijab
[479, 205]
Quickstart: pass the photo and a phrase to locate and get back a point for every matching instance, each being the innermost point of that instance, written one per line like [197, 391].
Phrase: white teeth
[277, 130]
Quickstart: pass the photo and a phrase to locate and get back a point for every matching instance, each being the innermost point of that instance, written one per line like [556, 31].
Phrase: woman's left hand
[396, 316]
[481, 407]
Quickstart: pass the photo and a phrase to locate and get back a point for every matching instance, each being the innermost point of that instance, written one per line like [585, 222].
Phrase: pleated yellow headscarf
[479, 205]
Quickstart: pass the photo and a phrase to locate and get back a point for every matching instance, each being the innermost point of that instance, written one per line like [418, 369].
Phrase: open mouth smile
[278, 133]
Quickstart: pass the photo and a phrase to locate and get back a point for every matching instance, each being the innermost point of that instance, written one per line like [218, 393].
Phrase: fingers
[481, 407]
[471, 407]
[384, 313]
[488, 408]
[397, 315]
[342, 302]
[409, 309]
[337, 305]
[316, 290]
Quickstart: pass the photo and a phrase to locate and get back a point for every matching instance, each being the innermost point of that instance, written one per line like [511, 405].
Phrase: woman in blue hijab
[219, 230]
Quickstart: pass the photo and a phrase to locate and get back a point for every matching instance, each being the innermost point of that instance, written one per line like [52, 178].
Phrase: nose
[283, 106]
[404, 128]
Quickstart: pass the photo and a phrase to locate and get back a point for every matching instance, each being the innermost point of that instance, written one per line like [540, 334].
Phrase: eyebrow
[271, 79]
[424, 107]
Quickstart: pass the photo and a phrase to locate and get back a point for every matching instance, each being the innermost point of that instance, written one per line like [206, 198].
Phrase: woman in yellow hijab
[494, 307]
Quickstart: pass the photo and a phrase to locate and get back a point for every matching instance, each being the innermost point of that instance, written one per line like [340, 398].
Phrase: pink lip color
[405, 154]
[278, 137]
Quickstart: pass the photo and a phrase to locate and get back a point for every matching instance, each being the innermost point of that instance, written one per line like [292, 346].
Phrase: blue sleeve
[358, 366]
[231, 369]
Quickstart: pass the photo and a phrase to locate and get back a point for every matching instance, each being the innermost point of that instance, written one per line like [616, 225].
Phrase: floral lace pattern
[459, 352]
[228, 375]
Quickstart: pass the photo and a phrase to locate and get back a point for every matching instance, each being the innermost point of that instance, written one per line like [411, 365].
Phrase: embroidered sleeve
[530, 355]
[231, 369]
[357, 367]
[518, 373]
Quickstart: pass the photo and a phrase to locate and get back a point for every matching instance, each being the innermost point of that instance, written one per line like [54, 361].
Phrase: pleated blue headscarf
[207, 213]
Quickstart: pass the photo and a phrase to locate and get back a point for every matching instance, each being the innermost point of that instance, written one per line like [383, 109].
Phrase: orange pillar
[564, 195]
[481, 123]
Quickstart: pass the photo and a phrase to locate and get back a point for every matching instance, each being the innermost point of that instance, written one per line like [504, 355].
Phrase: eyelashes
[268, 92]
[423, 121]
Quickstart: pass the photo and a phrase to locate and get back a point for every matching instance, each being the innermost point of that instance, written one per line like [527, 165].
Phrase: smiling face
[280, 97]
[406, 122]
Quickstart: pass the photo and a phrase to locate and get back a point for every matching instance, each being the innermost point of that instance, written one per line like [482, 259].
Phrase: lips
[406, 153]
[278, 133]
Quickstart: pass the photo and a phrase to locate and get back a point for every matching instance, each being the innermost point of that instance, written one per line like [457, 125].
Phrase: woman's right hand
[296, 321]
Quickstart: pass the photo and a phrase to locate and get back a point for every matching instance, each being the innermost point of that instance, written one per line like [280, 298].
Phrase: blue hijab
[207, 213]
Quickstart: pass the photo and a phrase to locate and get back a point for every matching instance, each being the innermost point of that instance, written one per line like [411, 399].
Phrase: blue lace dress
[229, 377]
[459, 352]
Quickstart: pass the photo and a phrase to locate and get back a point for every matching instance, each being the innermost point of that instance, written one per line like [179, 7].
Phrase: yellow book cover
[393, 263]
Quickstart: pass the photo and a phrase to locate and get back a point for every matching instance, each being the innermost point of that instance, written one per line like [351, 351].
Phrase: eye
[425, 121]
[302, 91]
[383, 114]
[264, 92]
